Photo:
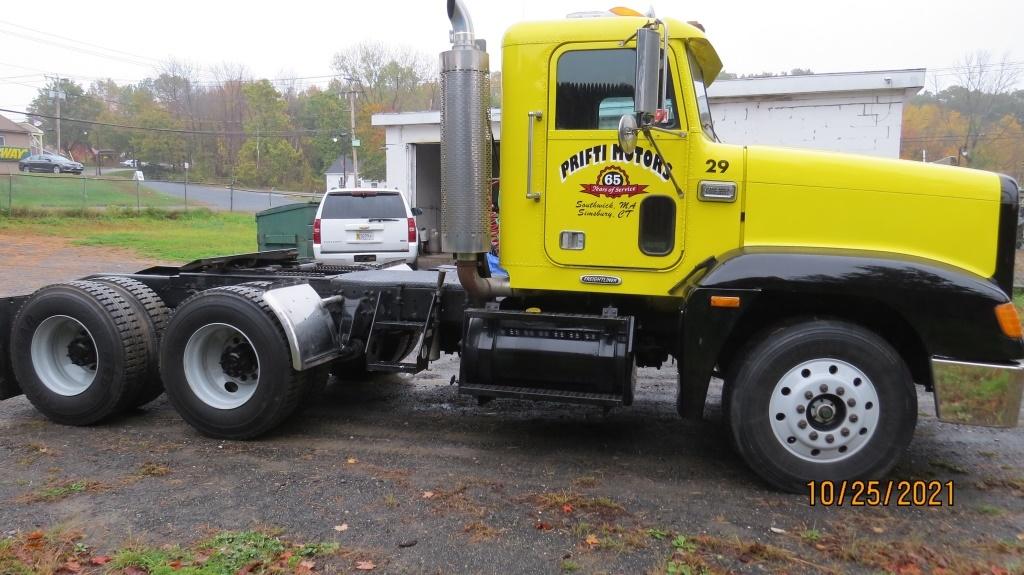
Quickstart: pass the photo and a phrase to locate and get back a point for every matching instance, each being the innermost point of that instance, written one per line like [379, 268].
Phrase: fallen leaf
[34, 536]
[100, 560]
[567, 508]
[1020, 536]
[428, 494]
[351, 460]
[592, 540]
[133, 570]
[342, 527]
[365, 565]
[777, 530]
[72, 566]
[543, 526]
[307, 564]
[287, 555]
[878, 529]
[176, 564]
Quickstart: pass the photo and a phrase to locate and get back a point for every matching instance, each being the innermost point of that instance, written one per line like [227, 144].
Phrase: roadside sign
[355, 143]
[139, 177]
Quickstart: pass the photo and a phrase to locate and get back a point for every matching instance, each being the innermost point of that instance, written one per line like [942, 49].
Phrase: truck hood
[769, 165]
[829, 200]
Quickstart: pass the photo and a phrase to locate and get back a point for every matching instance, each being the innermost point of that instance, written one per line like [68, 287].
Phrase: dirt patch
[30, 262]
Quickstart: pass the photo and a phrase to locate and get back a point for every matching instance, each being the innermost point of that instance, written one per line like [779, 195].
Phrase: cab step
[532, 393]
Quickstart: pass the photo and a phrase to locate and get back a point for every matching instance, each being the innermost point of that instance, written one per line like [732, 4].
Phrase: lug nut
[851, 402]
[802, 424]
[845, 432]
[808, 395]
[800, 409]
[823, 388]
[840, 391]
[830, 438]
[814, 435]
[853, 418]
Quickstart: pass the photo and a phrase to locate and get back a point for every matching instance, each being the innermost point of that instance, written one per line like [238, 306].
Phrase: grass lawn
[169, 236]
[66, 191]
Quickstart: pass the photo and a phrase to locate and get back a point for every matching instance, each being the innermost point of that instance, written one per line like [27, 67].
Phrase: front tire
[820, 400]
[56, 169]
[226, 364]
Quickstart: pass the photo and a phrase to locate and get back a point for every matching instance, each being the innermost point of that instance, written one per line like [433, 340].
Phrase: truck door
[603, 208]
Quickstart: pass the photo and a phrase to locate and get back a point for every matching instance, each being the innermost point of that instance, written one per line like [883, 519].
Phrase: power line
[131, 54]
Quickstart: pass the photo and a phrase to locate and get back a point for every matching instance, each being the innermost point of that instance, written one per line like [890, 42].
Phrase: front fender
[950, 310]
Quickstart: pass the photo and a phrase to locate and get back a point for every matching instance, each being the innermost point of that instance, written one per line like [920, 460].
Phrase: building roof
[9, 125]
[412, 118]
[908, 79]
[338, 166]
[30, 128]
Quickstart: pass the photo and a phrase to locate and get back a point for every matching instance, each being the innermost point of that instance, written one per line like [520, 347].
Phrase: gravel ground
[427, 481]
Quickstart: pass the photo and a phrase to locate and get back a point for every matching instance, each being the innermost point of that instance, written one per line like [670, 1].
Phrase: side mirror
[648, 68]
[627, 133]
[417, 211]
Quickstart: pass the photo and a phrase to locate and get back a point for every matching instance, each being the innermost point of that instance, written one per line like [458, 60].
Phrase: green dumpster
[288, 226]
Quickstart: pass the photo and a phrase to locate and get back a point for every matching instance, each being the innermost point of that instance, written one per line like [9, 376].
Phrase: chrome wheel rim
[824, 410]
[64, 355]
[221, 366]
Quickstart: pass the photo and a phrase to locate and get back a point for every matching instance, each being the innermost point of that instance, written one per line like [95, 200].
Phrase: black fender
[950, 311]
[8, 309]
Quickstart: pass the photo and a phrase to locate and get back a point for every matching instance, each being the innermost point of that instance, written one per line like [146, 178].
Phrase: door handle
[530, 194]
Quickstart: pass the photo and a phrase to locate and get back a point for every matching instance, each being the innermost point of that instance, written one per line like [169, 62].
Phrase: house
[339, 175]
[16, 141]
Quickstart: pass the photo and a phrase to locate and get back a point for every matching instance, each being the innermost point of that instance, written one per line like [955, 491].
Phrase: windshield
[350, 207]
[703, 107]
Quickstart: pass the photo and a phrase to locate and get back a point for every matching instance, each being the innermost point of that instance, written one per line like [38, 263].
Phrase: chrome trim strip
[713, 191]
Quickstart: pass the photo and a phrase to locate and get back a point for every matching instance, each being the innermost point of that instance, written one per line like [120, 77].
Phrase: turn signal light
[316, 231]
[412, 230]
[725, 301]
[1009, 321]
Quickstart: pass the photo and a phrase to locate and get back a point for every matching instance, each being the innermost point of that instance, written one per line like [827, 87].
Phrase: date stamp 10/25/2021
[899, 493]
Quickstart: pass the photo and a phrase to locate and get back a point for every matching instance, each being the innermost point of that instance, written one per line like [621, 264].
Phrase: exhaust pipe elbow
[462, 24]
[479, 288]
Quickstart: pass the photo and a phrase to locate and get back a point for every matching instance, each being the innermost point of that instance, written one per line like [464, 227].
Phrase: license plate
[365, 258]
[364, 236]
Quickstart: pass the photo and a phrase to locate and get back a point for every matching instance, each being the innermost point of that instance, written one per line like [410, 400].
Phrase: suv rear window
[348, 207]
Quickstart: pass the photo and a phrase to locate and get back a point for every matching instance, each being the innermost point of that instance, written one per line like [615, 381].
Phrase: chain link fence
[29, 192]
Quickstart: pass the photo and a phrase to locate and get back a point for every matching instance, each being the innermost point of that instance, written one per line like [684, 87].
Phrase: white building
[855, 112]
[339, 175]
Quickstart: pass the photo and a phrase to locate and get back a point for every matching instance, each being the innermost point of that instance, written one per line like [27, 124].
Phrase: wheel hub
[81, 351]
[824, 410]
[221, 366]
[239, 360]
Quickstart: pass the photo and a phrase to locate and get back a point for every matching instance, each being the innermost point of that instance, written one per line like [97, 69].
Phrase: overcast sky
[124, 40]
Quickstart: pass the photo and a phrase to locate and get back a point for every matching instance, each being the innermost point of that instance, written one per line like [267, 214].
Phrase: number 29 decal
[717, 166]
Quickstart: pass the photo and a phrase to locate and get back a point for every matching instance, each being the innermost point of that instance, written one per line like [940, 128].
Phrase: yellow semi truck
[823, 289]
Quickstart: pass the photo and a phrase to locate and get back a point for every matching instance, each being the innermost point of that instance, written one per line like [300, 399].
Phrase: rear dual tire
[227, 366]
[80, 352]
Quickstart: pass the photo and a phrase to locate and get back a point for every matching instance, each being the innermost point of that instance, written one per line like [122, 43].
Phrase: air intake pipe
[466, 155]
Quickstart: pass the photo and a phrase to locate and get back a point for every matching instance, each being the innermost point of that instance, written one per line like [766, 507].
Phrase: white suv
[365, 225]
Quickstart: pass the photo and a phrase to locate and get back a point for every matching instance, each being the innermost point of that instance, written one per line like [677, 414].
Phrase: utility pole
[355, 141]
[58, 94]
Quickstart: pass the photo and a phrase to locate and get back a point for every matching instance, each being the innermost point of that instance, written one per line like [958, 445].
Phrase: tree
[982, 83]
[76, 104]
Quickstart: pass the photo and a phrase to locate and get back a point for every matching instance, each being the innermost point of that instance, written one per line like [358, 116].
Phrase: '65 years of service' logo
[613, 182]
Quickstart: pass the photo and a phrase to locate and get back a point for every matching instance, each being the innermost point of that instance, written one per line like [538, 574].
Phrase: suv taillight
[412, 230]
[316, 231]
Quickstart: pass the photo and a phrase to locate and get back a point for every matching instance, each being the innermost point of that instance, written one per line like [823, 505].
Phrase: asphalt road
[220, 197]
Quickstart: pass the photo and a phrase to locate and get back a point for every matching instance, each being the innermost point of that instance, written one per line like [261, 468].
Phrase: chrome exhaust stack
[466, 153]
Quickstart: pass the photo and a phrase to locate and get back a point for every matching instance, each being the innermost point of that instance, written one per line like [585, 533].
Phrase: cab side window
[596, 87]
